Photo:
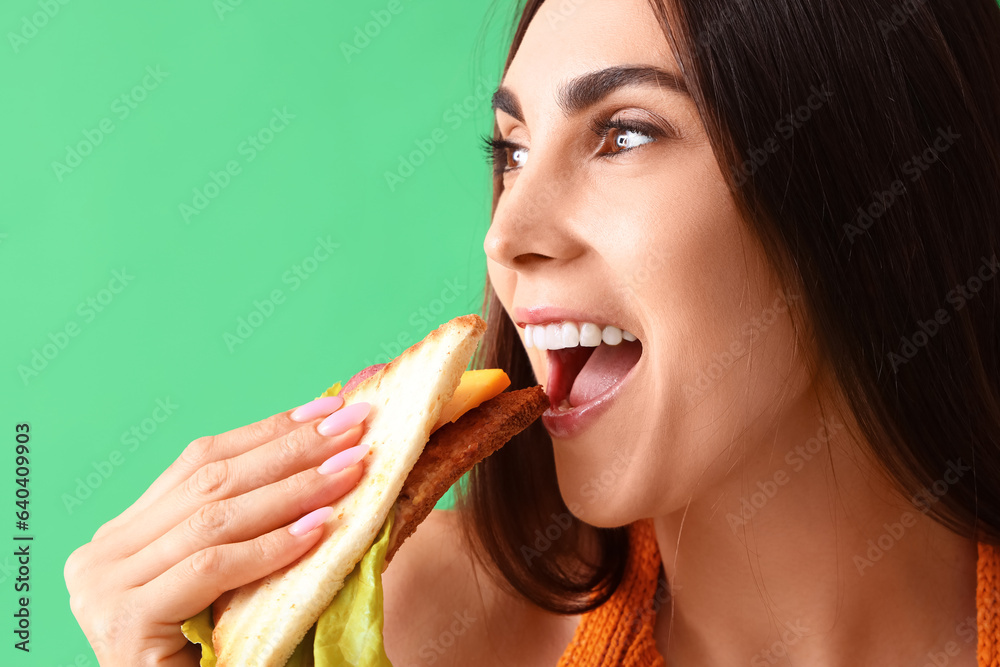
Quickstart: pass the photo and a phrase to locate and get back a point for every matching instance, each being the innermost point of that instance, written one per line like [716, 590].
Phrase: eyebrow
[588, 89]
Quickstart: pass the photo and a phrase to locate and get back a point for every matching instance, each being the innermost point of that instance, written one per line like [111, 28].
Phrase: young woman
[780, 221]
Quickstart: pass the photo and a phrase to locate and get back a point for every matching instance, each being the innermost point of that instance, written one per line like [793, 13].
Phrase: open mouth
[578, 376]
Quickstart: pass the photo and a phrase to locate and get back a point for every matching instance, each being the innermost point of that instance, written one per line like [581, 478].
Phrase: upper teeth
[570, 334]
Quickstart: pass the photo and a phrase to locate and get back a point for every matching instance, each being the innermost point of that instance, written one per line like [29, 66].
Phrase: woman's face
[636, 230]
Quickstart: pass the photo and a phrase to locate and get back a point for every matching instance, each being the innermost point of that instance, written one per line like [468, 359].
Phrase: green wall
[171, 168]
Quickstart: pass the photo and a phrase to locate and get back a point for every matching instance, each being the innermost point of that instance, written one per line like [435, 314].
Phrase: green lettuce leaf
[348, 632]
[198, 630]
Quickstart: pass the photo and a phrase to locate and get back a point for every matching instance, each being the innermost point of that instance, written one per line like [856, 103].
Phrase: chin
[597, 489]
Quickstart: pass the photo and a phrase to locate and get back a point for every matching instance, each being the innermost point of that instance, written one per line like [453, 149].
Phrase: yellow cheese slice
[474, 388]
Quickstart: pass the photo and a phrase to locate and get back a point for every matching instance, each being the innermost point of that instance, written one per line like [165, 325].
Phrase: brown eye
[619, 135]
[622, 137]
[516, 156]
[502, 154]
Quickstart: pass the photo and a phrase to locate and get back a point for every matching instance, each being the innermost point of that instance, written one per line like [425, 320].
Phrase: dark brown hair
[880, 202]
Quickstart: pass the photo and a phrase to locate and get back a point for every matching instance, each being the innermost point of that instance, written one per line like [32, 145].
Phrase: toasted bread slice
[264, 621]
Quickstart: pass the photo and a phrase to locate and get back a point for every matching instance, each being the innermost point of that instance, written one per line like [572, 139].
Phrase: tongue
[604, 369]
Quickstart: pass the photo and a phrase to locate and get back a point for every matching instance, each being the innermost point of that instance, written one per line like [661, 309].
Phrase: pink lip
[570, 423]
[547, 314]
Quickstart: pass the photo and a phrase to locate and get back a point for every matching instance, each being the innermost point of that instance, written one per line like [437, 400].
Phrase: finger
[241, 518]
[197, 581]
[166, 646]
[204, 450]
[215, 448]
[301, 449]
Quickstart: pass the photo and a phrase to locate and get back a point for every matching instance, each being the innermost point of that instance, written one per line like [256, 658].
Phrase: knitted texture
[988, 605]
[619, 633]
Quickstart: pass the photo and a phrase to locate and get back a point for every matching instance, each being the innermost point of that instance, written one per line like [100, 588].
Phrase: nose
[533, 223]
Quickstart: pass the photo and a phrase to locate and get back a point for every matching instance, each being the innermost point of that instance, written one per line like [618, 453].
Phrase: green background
[76, 76]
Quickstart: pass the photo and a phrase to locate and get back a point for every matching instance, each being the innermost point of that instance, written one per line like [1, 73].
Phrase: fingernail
[342, 460]
[316, 408]
[310, 521]
[343, 419]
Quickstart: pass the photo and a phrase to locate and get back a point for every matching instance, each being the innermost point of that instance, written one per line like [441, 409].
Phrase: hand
[216, 519]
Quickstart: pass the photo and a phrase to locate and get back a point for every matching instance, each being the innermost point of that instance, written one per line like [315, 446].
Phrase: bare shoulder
[442, 609]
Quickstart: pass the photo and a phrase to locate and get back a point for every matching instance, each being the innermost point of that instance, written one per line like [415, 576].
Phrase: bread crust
[262, 622]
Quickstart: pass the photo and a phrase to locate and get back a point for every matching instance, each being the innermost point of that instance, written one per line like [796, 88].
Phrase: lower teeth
[565, 405]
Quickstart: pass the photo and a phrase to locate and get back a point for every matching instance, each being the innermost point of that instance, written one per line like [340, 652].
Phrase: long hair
[861, 142]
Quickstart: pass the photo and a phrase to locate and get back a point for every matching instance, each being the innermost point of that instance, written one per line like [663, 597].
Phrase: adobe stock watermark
[901, 13]
[87, 310]
[248, 149]
[294, 277]
[363, 35]
[107, 642]
[968, 632]
[647, 610]
[562, 11]
[131, 439]
[432, 649]
[784, 128]
[32, 23]
[789, 635]
[714, 28]
[453, 118]
[914, 167]
[593, 491]
[419, 320]
[751, 330]
[223, 7]
[8, 569]
[922, 501]
[796, 459]
[651, 260]
[958, 297]
[121, 108]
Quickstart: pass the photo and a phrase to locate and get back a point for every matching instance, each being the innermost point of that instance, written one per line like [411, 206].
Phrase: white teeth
[590, 335]
[565, 405]
[538, 337]
[553, 337]
[570, 334]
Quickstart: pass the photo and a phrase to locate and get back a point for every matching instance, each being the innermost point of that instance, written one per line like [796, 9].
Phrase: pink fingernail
[343, 419]
[316, 408]
[343, 459]
[310, 521]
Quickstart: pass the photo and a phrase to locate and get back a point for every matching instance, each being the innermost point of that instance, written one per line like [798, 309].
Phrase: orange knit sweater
[619, 633]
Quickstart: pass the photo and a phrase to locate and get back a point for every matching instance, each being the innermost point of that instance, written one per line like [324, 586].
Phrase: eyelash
[496, 149]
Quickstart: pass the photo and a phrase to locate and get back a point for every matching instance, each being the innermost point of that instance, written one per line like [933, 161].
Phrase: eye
[502, 154]
[620, 136]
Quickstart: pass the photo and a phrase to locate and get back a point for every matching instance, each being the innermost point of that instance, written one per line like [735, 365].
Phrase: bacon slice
[455, 448]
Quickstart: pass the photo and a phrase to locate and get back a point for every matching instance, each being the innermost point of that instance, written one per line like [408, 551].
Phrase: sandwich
[431, 421]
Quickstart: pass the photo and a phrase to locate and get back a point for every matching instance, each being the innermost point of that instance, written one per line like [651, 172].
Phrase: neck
[812, 558]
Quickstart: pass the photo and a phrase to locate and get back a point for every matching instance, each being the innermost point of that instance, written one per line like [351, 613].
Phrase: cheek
[700, 282]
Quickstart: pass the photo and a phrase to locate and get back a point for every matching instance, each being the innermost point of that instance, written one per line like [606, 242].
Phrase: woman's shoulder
[442, 608]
